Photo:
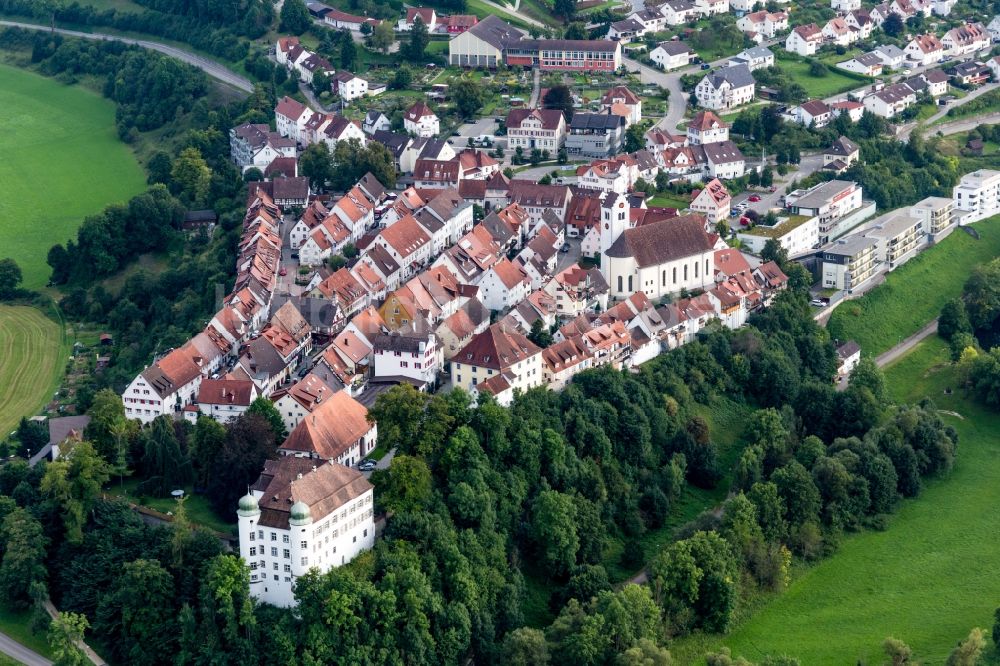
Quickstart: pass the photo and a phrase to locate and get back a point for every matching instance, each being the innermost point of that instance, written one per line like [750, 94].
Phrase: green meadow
[926, 580]
[62, 161]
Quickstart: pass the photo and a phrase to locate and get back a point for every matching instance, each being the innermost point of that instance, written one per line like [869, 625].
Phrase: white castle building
[302, 514]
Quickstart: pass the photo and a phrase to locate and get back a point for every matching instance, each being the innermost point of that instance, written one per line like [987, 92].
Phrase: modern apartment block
[849, 262]
[977, 195]
[899, 238]
[937, 215]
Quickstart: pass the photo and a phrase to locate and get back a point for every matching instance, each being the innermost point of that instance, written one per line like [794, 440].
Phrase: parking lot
[487, 126]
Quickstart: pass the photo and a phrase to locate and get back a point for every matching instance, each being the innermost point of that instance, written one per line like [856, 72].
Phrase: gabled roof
[704, 121]
[405, 236]
[498, 347]
[927, 43]
[323, 487]
[620, 93]
[509, 273]
[418, 111]
[550, 119]
[332, 429]
[291, 108]
[738, 76]
[495, 32]
[808, 32]
[722, 152]
[674, 47]
[815, 107]
[842, 146]
[660, 242]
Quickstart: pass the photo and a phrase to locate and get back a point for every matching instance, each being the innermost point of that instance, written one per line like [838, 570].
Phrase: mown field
[913, 294]
[33, 353]
[62, 162]
[927, 580]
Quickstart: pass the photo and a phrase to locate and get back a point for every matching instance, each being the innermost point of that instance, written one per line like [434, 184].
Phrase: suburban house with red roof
[421, 121]
[528, 129]
[804, 40]
[713, 201]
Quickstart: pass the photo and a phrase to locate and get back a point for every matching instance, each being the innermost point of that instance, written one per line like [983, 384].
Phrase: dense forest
[971, 325]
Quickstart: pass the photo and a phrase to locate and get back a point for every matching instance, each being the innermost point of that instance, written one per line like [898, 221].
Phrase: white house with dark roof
[866, 64]
[723, 159]
[756, 57]
[892, 56]
[726, 88]
[671, 55]
[678, 11]
[349, 86]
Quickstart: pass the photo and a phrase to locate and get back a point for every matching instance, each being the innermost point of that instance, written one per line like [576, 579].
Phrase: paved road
[21, 654]
[210, 67]
[670, 81]
[906, 345]
[966, 123]
[768, 200]
[536, 88]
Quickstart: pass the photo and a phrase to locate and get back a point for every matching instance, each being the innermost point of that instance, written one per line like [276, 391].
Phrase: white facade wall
[277, 557]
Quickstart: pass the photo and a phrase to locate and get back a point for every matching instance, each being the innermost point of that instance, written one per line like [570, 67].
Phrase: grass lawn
[33, 353]
[927, 580]
[914, 293]
[669, 201]
[833, 83]
[63, 161]
[17, 625]
[197, 506]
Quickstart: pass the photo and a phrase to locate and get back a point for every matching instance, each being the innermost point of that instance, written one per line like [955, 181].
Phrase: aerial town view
[500, 332]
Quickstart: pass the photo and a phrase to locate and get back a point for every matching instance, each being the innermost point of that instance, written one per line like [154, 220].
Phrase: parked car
[705, 65]
[818, 302]
[754, 198]
[295, 255]
[283, 272]
[564, 248]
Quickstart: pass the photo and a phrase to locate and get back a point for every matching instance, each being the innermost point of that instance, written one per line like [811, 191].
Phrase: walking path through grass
[927, 580]
[914, 293]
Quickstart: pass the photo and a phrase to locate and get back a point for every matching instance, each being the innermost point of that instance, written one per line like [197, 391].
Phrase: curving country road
[210, 67]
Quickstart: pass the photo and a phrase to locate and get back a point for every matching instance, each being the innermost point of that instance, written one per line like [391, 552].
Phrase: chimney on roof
[299, 475]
